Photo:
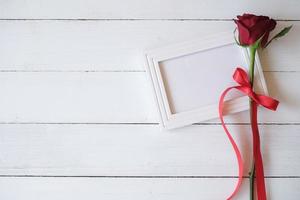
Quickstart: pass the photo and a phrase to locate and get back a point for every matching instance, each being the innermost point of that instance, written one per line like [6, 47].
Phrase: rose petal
[258, 30]
[252, 27]
[249, 20]
[265, 39]
[270, 26]
[243, 33]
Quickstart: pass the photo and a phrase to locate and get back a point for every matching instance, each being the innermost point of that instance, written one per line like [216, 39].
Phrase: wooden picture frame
[188, 79]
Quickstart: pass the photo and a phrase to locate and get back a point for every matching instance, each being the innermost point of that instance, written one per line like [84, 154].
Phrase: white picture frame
[173, 71]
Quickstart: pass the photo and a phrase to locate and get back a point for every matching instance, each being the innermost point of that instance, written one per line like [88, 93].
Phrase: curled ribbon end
[241, 77]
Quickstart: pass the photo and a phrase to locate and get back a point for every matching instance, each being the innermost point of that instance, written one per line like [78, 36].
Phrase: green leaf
[280, 34]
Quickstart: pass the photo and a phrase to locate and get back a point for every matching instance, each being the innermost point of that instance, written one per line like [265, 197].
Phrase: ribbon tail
[234, 145]
[259, 170]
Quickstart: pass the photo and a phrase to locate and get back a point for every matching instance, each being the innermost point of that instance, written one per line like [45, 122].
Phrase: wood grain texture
[75, 97]
[113, 97]
[142, 189]
[141, 9]
[142, 150]
[117, 45]
[75, 101]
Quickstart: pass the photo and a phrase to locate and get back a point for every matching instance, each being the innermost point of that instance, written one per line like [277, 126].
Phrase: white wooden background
[77, 116]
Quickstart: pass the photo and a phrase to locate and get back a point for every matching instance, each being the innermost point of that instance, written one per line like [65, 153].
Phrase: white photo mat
[188, 79]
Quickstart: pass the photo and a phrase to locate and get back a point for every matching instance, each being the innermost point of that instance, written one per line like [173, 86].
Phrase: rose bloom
[252, 27]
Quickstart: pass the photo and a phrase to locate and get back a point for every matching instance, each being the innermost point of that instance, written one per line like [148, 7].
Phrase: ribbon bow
[241, 77]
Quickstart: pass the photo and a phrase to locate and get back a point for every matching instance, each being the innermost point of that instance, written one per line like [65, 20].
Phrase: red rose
[252, 27]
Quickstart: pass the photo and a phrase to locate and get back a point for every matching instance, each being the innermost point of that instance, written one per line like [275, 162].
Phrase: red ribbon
[241, 77]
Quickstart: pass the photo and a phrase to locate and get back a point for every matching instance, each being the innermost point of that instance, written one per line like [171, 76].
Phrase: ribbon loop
[241, 77]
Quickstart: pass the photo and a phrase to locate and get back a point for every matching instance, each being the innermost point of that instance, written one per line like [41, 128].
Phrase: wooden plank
[140, 188]
[113, 97]
[117, 45]
[155, 9]
[75, 97]
[142, 150]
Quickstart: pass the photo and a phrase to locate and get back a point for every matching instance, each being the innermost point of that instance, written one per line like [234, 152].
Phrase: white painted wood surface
[141, 150]
[75, 101]
[117, 45]
[141, 9]
[113, 97]
[137, 188]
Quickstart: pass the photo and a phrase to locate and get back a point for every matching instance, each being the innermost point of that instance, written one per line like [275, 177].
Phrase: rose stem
[251, 74]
